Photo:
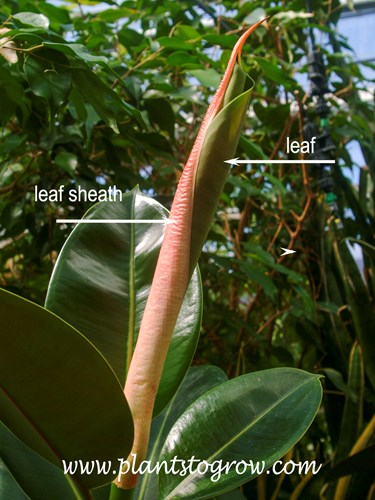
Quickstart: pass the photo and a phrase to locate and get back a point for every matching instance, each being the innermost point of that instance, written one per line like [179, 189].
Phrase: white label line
[236, 161]
[114, 221]
[286, 251]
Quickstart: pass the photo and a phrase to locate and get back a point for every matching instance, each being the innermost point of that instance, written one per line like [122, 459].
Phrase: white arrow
[237, 161]
[287, 251]
[115, 221]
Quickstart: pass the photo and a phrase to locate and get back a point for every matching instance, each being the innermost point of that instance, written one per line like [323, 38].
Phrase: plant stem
[120, 494]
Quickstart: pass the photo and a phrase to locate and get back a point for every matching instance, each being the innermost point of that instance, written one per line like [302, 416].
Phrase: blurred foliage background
[113, 95]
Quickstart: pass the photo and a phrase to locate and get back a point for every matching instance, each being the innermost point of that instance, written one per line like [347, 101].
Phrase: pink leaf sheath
[168, 289]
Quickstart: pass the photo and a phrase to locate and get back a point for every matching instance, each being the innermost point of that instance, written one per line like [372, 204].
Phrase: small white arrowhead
[286, 251]
[233, 161]
[169, 221]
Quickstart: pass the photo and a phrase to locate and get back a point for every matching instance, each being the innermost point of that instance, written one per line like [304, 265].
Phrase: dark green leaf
[252, 150]
[112, 15]
[8, 486]
[327, 307]
[187, 32]
[59, 15]
[182, 59]
[49, 76]
[105, 101]
[351, 423]
[161, 113]
[130, 38]
[253, 273]
[357, 463]
[230, 422]
[336, 378]
[226, 41]
[34, 475]
[77, 50]
[361, 306]
[175, 43]
[273, 72]
[207, 77]
[108, 269]
[57, 389]
[67, 161]
[32, 19]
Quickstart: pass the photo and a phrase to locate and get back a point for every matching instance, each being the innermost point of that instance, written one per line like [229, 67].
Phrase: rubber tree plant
[101, 373]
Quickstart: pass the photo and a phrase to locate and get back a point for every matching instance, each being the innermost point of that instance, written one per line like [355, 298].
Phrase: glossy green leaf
[207, 77]
[361, 305]
[187, 32]
[49, 76]
[328, 307]
[58, 394]
[180, 58]
[32, 19]
[7, 109]
[108, 269]
[276, 183]
[247, 188]
[252, 149]
[33, 36]
[354, 464]
[77, 50]
[67, 161]
[78, 107]
[336, 378]
[361, 217]
[161, 113]
[255, 16]
[112, 15]
[256, 275]
[8, 486]
[272, 71]
[256, 417]
[58, 15]
[130, 38]
[226, 41]
[37, 477]
[198, 380]
[351, 423]
[105, 101]
[175, 43]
